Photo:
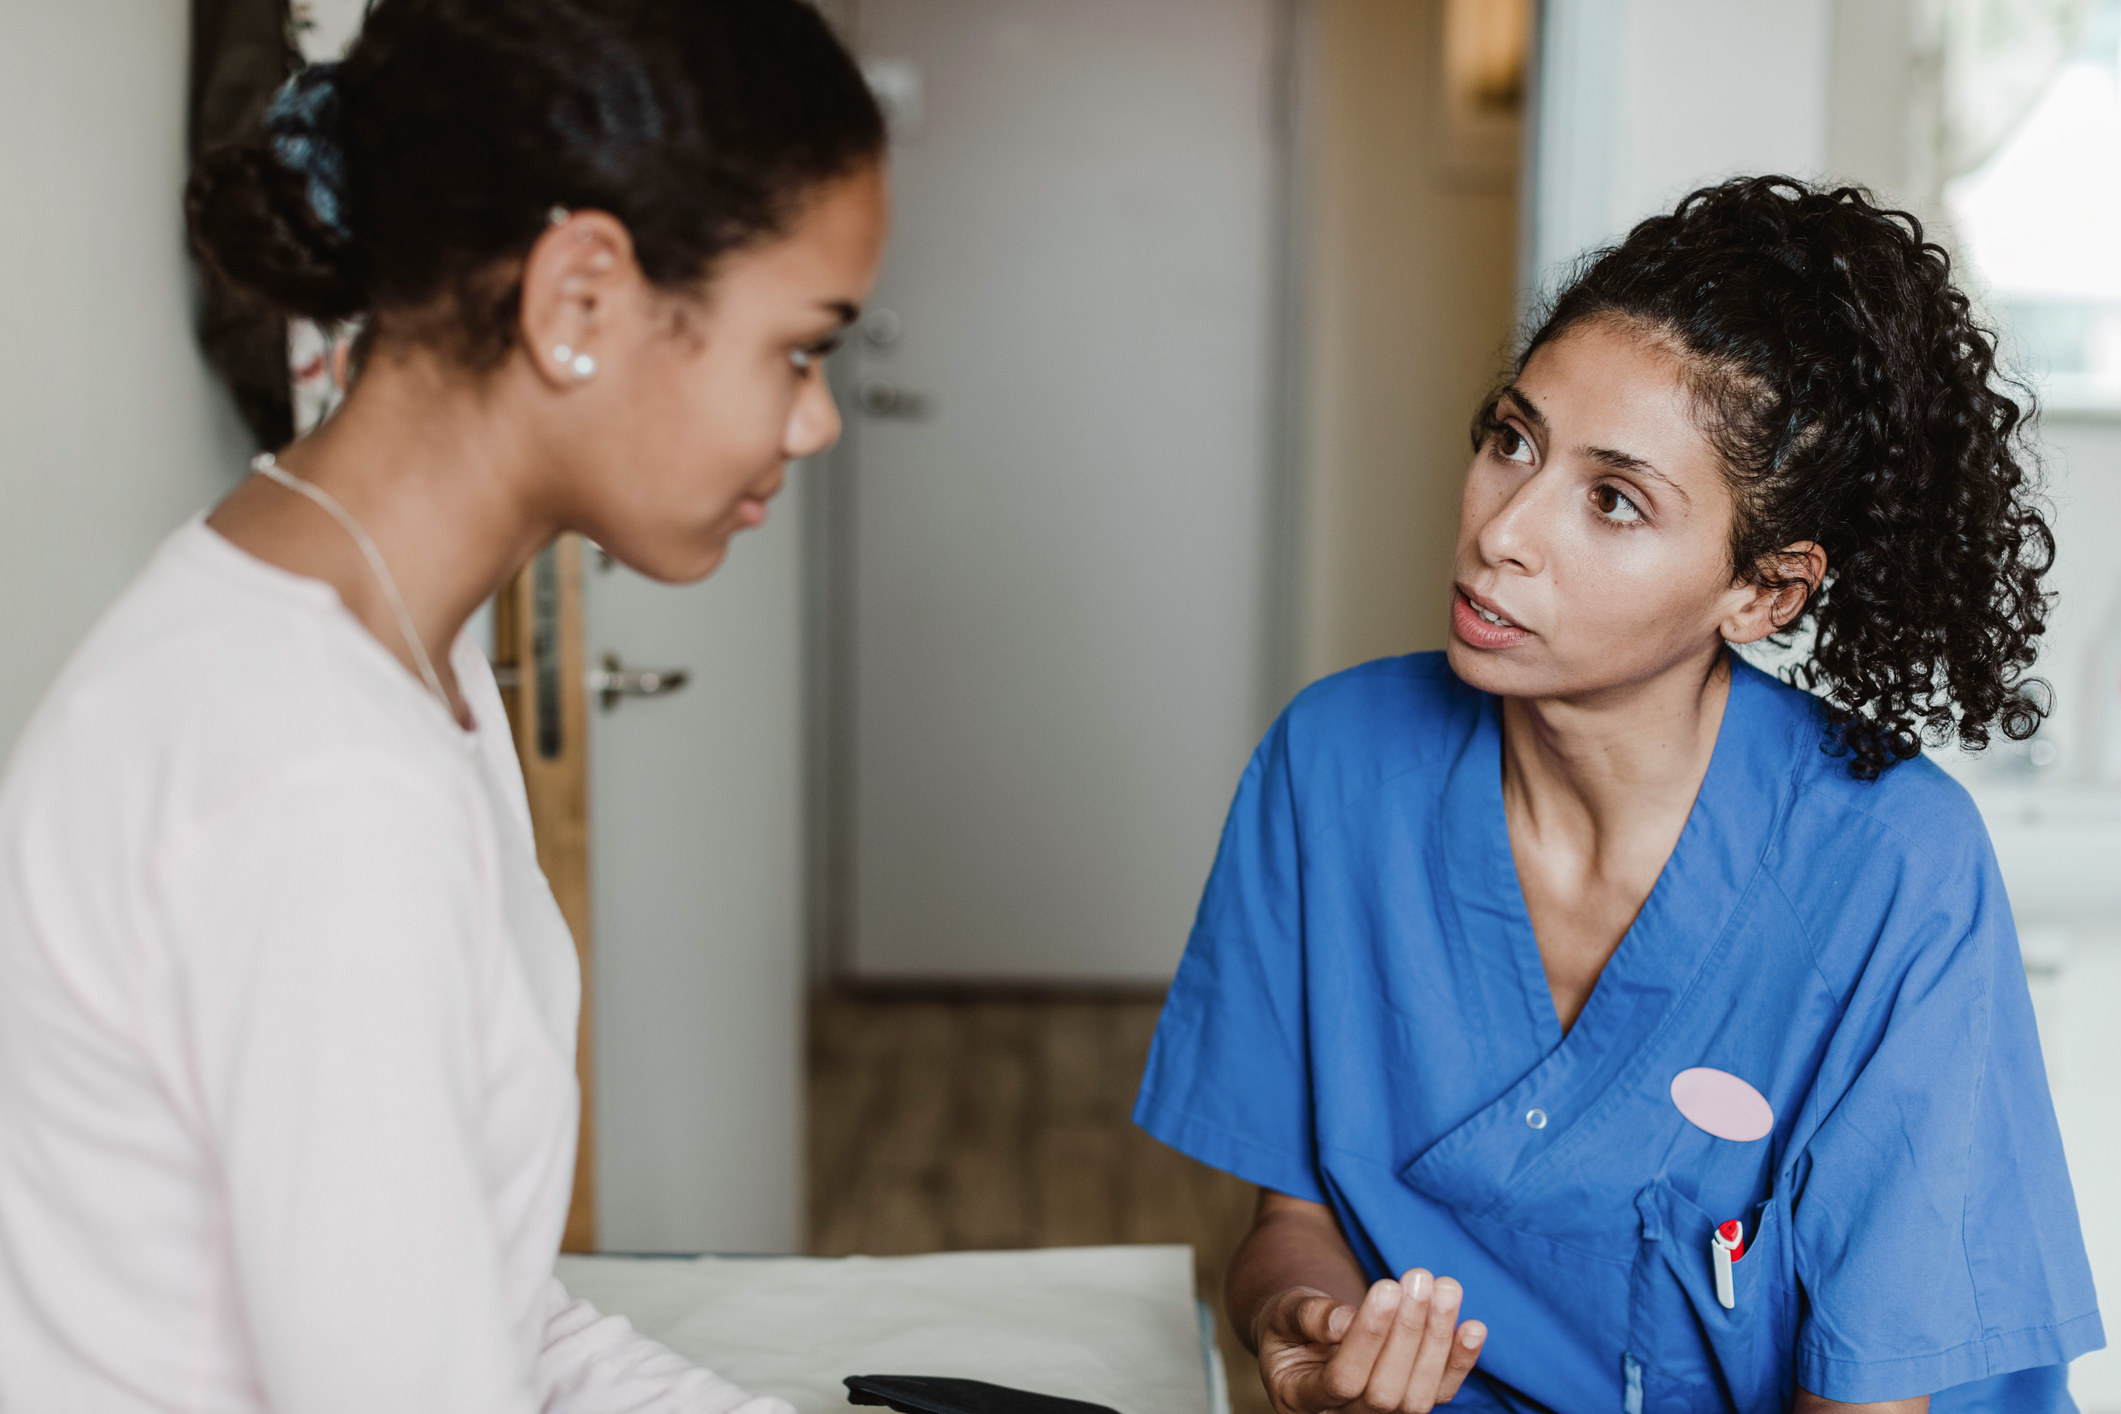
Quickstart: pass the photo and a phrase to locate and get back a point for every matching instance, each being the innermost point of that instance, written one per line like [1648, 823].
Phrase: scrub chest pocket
[1686, 1354]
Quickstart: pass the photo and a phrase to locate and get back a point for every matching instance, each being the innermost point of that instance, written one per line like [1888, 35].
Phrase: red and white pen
[1726, 1247]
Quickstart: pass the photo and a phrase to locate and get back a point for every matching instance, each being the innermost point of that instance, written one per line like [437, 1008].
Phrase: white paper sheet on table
[1112, 1325]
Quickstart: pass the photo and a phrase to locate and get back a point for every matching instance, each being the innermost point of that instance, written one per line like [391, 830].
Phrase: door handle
[881, 398]
[613, 681]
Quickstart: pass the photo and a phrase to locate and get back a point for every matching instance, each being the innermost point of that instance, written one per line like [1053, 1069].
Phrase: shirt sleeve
[592, 1363]
[1935, 1229]
[1228, 1080]
[332, 984]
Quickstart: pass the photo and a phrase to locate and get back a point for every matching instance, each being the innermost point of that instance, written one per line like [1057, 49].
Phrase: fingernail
[1472, 1336]
[1385, 1293]
[1418, 1285]
[1337, 1323]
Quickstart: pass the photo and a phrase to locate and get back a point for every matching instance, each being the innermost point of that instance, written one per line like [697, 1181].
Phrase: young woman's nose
[814, 421]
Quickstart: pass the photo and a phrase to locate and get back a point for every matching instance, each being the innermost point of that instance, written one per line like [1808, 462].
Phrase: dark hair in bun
[403, 180]
[1856, 402]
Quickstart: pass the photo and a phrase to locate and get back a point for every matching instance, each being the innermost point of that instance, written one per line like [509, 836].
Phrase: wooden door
[539, 662]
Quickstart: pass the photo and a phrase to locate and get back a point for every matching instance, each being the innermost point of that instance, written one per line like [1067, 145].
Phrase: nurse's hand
[1403, 1350]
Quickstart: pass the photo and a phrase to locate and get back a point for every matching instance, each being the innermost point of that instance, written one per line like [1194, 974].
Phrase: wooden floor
[978, 1122]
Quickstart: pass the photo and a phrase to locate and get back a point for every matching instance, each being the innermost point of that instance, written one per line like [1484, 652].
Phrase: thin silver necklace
[267, 466]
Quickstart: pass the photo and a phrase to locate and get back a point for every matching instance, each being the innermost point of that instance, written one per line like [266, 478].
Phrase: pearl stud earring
[581, 365]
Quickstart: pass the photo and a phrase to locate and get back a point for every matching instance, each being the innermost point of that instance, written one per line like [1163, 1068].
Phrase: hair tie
[303, 127]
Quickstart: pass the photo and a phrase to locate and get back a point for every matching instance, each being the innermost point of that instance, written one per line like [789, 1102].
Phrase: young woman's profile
[287, 1013]
[1609, 1025]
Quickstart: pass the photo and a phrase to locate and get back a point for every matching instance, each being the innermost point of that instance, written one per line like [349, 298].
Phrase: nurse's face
[1594, 535]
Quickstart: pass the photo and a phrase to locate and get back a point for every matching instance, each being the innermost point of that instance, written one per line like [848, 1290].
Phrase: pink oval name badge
[1722, 1104]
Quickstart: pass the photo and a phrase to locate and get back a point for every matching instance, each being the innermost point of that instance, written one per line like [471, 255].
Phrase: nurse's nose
[1511, 537]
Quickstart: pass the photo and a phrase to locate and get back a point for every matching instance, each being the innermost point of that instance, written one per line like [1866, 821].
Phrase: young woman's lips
[1478, 632]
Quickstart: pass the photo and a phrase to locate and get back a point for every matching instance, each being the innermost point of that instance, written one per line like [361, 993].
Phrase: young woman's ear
[1796, 572]
[570, 281]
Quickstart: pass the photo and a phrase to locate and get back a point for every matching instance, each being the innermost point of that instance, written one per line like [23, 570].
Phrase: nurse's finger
[1425, 1385]
[1464, 1351]
[1347, 1374]
[1396, 1362]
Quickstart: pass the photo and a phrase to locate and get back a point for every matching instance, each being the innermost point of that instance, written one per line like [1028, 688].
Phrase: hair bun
[409, 180]
[271, 215]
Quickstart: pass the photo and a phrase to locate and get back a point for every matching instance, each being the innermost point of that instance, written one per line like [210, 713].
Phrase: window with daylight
[2038, 220]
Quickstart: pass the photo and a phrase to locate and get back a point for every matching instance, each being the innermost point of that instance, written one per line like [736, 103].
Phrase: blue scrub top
[1362, 1020]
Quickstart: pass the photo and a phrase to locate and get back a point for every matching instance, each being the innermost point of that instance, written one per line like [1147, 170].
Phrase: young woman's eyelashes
[808, 356]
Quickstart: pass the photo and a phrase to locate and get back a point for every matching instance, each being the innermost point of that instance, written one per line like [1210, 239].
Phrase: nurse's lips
[1480, 624]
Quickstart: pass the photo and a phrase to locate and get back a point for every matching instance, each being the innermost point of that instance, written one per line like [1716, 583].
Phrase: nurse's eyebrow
[1605, 456]
[847, 310]
[1634, 466]
[1525, 405]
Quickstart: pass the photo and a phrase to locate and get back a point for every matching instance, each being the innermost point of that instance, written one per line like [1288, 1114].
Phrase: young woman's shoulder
[210, 675]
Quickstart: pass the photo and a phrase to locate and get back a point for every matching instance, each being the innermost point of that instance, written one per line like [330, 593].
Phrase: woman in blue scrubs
[1673, 1014]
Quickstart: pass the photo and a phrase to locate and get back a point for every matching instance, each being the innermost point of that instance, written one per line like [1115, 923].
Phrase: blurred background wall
[1640, 101]
[111, 429]
[1404, 238]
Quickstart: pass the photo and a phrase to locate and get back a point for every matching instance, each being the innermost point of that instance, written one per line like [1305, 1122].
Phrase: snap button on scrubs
[1361, 1019]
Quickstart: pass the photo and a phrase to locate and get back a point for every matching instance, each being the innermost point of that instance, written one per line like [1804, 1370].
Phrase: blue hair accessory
[303, 127]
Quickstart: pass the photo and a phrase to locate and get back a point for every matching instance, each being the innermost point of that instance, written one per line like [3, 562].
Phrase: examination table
[1111, 1325]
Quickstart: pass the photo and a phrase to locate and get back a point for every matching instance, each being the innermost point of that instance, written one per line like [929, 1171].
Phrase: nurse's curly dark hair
[1856, 402]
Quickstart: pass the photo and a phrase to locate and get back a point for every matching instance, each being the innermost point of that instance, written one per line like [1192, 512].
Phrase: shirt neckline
[218, 554]
[1727, 830]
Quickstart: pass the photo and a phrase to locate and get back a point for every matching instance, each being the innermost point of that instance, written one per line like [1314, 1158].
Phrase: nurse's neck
[1596, 793]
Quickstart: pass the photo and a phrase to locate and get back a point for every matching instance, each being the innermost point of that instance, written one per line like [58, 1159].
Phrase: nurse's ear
[1787, 581]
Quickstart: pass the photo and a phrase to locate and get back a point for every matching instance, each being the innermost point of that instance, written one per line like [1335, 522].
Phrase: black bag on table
[922, 1394]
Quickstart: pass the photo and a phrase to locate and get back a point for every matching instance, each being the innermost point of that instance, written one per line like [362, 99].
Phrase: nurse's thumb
[1321, 1320]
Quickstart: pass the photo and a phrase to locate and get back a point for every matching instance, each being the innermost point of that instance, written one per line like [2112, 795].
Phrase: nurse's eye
[1510, 444]
[1614, 505]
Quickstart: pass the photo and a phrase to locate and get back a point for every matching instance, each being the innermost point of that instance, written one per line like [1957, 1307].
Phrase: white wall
[1640, 101]
[1407, 272]
[111, 431]
[1056, 574]
[2083, 465]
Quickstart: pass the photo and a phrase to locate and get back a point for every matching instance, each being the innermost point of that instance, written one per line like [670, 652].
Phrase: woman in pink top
[287, 1014]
